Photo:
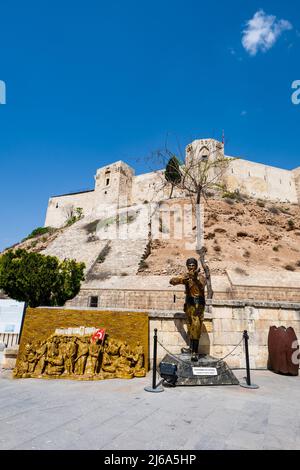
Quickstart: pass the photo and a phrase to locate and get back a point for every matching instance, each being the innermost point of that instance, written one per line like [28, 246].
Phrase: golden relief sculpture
[82, 357]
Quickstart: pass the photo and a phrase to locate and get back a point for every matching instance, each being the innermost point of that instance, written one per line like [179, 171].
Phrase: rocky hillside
[240, 233]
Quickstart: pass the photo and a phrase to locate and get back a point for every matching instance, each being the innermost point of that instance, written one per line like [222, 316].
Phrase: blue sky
[89, 83]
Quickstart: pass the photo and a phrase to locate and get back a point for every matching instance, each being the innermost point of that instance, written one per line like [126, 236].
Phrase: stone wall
[59, 207]
[261, 181]
[228, 321]
[174, 299]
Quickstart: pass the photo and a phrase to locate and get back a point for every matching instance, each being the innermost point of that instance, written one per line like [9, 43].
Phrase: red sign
[98, 335]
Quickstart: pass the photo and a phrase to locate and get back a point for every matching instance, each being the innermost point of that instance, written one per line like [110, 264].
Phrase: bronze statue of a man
[194, 302]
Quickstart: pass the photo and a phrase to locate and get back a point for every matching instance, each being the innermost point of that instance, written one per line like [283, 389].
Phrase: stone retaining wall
[225, 321]
[174, 299]
[228, 320]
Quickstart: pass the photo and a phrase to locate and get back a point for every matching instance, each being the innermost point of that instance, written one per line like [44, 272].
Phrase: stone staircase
[123, 259]
[73, 243]
[122, 256]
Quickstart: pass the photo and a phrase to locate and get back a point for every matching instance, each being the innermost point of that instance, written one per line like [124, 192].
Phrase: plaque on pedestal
[207, 370]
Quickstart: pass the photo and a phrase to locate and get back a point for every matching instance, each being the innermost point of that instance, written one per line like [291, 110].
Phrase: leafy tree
[38, 279]
[172, 173]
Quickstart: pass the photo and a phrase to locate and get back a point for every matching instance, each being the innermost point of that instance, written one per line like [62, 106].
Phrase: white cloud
[262, 31]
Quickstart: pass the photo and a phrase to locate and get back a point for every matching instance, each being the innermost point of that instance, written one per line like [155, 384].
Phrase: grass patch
[39, 231]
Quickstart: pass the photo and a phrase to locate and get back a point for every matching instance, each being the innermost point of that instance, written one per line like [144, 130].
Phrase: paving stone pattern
[119, 414]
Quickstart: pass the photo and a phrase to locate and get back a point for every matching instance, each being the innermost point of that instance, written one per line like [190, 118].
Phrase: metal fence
[9, 339]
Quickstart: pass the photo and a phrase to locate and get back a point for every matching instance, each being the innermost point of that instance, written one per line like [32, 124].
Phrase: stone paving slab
[119, 414]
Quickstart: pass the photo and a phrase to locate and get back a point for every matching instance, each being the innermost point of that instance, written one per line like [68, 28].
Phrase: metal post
[154, 388]
[246, 337]
[154, 358]
[248, 378]
[22, 323]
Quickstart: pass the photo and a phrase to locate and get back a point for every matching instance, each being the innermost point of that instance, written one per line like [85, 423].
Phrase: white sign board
[205, 371]
[11, 314]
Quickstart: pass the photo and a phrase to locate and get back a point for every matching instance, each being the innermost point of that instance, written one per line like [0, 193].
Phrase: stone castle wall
[262, 181]
[117, 184]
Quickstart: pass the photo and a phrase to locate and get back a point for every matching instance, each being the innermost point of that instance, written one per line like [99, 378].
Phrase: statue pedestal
[207, 370]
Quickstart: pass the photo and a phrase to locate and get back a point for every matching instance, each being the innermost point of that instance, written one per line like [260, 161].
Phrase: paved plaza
[119, 414]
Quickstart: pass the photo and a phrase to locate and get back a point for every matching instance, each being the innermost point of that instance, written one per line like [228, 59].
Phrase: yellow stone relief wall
[60, 343]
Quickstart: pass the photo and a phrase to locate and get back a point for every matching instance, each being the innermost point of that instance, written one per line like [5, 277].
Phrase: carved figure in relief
[82, 355]
[71, 354]
[138, 357]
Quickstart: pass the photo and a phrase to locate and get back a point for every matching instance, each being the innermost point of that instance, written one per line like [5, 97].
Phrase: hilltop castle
[117, 184]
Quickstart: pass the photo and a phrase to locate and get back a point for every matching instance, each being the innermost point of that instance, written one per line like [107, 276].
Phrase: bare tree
[201, 172]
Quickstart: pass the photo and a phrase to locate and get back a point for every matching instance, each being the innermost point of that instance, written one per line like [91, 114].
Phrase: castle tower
[204, 149]
[113, 184]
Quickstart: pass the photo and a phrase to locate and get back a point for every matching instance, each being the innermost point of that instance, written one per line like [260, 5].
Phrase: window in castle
[57, 206]
[93, 302]
[249, 173]
[265, 178]
[280, 181]
[107, 181]
[105, 192]
[205, 158]
[231, 170]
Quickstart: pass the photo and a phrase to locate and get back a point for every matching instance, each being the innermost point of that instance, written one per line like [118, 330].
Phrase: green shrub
[276, 248]
[229, 201]
[143, 265]
[291, 224]
[260, 203]
[289, 267]
[274, 210]
[229, 195]
[39, 231]
[76, 215]
[39, 280]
